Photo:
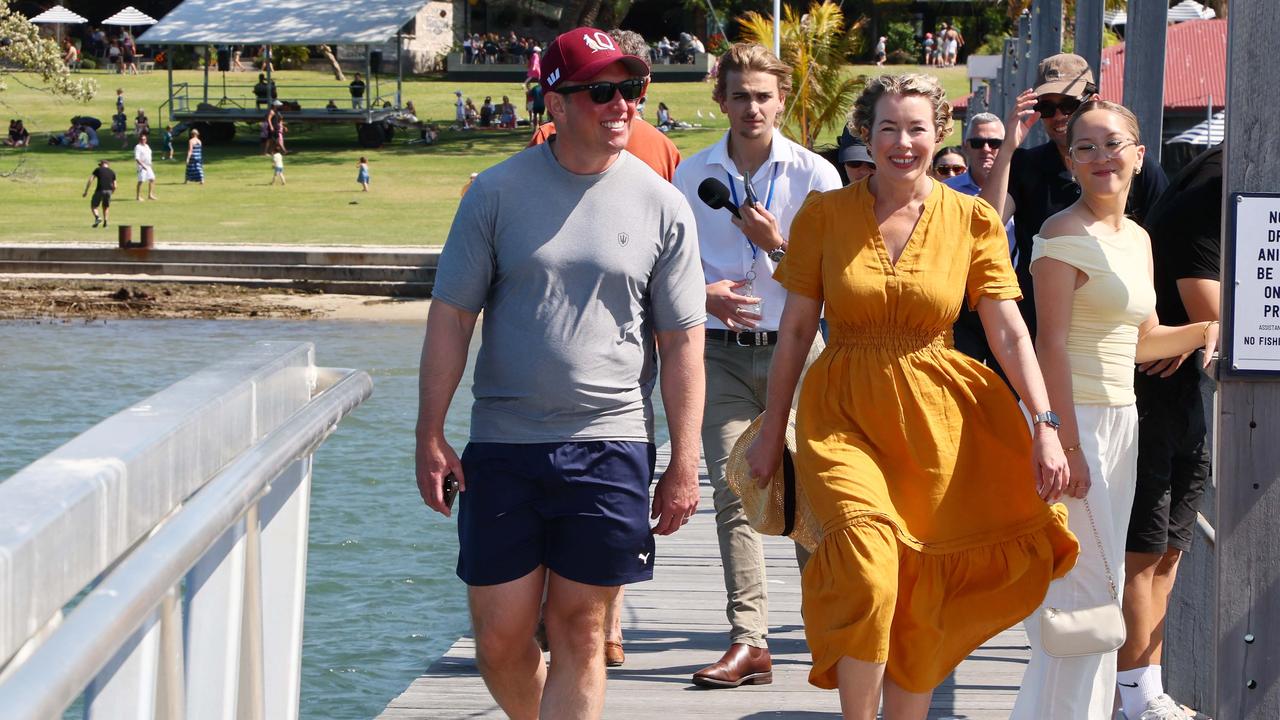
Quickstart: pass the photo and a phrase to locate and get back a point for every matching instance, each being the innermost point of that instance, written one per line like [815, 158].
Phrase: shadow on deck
[675, 625]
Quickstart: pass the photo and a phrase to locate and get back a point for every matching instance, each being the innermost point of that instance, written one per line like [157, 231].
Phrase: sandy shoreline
[26, 299]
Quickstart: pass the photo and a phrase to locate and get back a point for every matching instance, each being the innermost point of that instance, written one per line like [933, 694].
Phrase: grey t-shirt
[574, 273]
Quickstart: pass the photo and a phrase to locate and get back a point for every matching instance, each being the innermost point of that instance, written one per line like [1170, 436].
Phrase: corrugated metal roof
[1195, 66]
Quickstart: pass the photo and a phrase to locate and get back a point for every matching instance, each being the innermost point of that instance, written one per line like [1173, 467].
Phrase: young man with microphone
[767, 178]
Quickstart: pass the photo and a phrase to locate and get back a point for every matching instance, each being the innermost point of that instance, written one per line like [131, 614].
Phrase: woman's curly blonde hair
[863, 115]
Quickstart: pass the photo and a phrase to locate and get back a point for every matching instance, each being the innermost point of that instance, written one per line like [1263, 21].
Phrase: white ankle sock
[1137, 688]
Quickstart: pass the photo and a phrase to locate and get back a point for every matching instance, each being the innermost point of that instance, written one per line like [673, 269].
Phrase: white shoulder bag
[1089, 631]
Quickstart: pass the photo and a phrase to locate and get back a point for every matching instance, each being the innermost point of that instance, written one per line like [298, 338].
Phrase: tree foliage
[22, 47]
[817, 46]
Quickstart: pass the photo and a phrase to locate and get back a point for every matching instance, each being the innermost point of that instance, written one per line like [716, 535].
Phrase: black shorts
[579, 508]
[1173, 460]
[101, 197]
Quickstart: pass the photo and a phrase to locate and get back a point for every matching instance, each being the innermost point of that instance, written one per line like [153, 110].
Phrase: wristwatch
[1048, 417]
[777, 255]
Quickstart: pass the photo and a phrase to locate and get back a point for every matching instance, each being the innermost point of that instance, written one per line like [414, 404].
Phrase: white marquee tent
[282, 22]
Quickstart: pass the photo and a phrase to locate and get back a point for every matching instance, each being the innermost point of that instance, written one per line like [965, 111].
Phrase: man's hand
[760, 226]
[1164, 368]
[726, 305]
[434, 459]
[1022, 117]
[675, 499]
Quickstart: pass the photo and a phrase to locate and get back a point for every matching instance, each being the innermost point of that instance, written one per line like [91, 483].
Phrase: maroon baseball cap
[582, 53]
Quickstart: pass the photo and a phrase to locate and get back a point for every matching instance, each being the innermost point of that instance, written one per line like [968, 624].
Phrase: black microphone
[716, 196]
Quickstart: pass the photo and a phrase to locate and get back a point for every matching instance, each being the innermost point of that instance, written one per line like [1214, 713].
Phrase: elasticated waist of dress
[896, 340]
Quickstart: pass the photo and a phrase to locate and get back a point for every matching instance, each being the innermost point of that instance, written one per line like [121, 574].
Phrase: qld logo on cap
[599, 42]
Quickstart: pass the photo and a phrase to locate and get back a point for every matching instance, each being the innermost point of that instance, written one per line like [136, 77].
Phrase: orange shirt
[647, 143]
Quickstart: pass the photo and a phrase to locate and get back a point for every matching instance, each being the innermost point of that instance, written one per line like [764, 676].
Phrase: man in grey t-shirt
[585, 275]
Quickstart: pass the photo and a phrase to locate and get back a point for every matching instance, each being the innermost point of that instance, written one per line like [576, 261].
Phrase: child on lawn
[362, 176]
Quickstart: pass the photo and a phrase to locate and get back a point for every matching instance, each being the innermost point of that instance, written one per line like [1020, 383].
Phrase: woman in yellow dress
[930, 488]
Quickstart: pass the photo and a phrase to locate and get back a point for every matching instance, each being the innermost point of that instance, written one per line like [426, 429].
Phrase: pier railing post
[1248, 457]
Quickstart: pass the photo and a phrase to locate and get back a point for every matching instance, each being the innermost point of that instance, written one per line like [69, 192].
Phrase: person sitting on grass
[18, 135]
[506, 113]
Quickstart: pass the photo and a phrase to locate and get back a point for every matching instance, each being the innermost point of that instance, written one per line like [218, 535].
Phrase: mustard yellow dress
[916, 458]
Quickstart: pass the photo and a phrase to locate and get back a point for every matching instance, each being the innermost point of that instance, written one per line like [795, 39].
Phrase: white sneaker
[1162, 707]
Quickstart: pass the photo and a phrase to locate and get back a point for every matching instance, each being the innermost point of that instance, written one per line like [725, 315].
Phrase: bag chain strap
[1111, 580]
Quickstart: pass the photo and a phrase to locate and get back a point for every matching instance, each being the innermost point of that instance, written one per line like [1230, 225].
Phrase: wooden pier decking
[675, 624]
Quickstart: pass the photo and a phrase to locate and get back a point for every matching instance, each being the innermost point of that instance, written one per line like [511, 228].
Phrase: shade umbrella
[58, 15]
[129, 17]
[1209, 132]
[1190, 10]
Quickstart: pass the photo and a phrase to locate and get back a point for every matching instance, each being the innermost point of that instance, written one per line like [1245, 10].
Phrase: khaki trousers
[737, 384]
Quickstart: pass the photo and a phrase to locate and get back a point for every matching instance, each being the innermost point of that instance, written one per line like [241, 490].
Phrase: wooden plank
[1144, 69]
[1089, 17]
[675, 624]
[1028, 60]
[1248, 673]
[1046, 41]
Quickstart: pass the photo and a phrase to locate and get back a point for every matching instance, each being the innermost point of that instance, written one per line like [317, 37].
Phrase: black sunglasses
[602, 92]
[1048, 108]
[993, 143]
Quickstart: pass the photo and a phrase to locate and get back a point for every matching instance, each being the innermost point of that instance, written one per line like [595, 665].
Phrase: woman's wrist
[1204, 338]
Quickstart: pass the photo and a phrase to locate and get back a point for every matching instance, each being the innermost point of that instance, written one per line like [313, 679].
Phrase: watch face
[777, 255]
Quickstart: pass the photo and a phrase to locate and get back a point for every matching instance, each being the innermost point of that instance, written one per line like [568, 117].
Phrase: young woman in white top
[1095, 304]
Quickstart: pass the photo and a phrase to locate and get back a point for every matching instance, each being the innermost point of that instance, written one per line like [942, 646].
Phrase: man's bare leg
[575, 616]
[613, 619]
[503, 617]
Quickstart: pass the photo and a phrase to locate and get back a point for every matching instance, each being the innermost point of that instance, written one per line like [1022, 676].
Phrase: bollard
[148, 239]
[125, 234]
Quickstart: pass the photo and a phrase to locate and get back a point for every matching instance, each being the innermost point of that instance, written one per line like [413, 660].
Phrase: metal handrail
[58, 671]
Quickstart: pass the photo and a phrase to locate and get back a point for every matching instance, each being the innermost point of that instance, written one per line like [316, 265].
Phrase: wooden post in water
[1248, 432]
[1089, 15]
[1144, 69]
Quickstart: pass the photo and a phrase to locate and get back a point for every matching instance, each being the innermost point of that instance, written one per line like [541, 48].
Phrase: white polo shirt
[781, 183]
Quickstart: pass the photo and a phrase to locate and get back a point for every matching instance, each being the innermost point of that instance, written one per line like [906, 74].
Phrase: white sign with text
[1256, 307]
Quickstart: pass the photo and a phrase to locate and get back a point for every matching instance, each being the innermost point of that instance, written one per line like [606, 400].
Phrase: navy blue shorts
[579, 508]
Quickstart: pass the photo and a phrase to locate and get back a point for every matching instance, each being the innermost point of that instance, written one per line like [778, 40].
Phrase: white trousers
[1084, 688]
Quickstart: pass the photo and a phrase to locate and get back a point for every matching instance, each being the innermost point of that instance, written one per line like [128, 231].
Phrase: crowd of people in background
[118, 50]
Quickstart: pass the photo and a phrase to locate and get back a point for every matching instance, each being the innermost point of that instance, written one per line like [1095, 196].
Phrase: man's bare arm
[444, 358]
[683, 393]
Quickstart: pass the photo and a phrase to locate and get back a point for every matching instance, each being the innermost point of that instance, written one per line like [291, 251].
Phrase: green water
[382, 599]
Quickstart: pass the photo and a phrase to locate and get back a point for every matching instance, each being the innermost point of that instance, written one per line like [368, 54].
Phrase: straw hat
[782, 508]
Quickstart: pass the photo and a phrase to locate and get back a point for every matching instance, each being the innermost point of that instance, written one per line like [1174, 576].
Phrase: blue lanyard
[768, 200]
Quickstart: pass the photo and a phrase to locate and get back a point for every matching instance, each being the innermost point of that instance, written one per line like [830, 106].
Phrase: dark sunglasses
[1048, 108]
[602, 92]
[993, 143]
[950, 170]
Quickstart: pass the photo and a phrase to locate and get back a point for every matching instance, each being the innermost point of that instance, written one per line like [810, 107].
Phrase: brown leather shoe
[741, 665]
[613, 654]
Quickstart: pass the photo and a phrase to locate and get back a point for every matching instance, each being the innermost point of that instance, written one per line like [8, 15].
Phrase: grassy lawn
[414, 191]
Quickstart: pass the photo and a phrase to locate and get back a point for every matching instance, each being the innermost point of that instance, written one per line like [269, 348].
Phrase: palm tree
[816, 45]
